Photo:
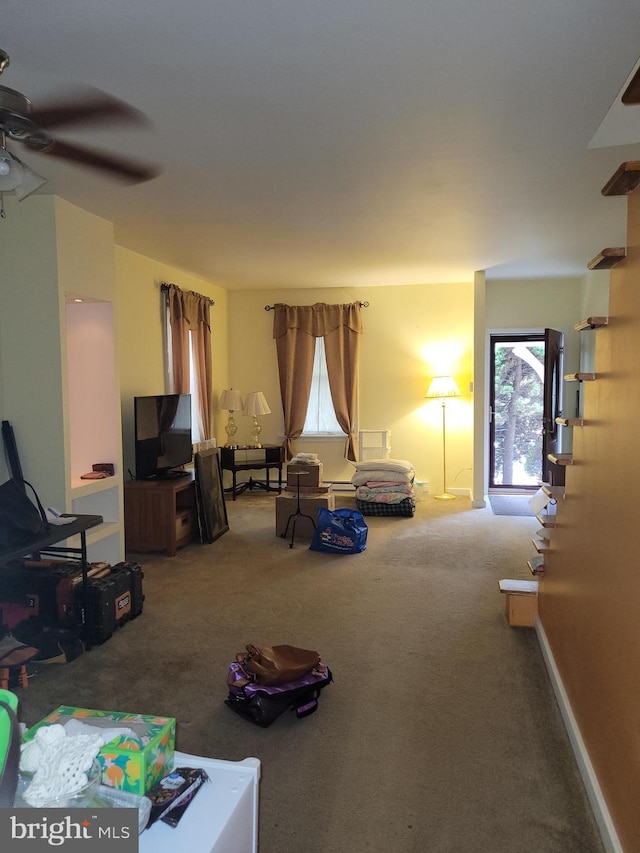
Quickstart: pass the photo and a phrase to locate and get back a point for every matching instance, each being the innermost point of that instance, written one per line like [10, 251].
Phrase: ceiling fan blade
[85, 108]
[118, 167]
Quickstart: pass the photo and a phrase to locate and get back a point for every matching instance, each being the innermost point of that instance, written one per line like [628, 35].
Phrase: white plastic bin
[223, 816]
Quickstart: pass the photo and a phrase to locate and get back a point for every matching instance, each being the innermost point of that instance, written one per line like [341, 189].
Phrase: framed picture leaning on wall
[212, 509]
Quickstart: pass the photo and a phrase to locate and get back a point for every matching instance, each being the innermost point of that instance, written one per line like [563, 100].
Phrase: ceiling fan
[33, 127]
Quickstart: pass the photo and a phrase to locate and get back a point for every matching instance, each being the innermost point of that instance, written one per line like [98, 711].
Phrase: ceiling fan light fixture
[11, 172]
[31, 181]
[17, 177]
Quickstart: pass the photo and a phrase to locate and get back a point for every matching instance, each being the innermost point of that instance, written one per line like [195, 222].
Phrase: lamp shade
[16, 177]
[231, 400]
[256, 404]
[31, 181]
[443, 386]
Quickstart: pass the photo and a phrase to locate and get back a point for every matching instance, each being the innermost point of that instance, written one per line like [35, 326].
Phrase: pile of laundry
[385, 487]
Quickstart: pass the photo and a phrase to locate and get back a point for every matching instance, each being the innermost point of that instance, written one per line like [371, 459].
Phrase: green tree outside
[518, 412]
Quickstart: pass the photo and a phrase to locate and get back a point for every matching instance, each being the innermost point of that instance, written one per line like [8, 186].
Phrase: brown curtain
[295, 328]
[189, 313]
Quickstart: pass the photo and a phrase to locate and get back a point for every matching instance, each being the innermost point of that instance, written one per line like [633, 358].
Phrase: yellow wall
[410, 333]
[141, 359]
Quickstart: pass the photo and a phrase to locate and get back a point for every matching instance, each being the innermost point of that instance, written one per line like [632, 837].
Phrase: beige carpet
[440, 732]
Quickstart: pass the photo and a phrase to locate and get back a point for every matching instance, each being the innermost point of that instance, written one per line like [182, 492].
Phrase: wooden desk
[160, 515]
[49, 543]
[236, 459]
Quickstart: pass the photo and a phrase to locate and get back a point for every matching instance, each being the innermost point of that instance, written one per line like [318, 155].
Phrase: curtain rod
[272, 307]
[164, 286]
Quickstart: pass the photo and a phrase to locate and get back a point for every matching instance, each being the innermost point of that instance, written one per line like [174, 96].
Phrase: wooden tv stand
[160, 515]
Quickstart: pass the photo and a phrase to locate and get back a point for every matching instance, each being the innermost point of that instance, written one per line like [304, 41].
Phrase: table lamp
[231, 401]
[255, 405]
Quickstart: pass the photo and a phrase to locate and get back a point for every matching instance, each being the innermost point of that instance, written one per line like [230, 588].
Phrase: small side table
[267, 457]
[298, 513]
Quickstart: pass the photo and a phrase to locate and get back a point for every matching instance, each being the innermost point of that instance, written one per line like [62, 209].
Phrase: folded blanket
[363, 493]
[383, 465]
[362, 477]
[406, 508]
[389, 486]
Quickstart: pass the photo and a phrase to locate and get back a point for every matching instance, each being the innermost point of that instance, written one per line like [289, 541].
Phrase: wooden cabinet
[160, 515]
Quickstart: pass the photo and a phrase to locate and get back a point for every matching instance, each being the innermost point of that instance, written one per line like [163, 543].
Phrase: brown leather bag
[269, 665]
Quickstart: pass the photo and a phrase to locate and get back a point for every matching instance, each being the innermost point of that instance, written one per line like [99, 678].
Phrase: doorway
[516, 411]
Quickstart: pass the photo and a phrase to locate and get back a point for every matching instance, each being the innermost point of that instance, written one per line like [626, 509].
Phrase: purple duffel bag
[262, 705]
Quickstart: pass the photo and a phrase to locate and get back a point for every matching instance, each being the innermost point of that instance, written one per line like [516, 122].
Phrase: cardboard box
[310, 491]
[522, 610]
[287, 504]
[311, 474]
[521, 602]
[129, 764]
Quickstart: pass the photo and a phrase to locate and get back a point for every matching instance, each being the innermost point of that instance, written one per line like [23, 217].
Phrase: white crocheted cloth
[59, 763]
[306, 459]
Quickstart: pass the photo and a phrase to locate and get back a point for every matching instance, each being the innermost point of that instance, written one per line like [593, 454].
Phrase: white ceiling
[346, 142]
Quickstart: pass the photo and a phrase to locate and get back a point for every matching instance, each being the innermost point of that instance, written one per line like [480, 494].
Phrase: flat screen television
[162, 435]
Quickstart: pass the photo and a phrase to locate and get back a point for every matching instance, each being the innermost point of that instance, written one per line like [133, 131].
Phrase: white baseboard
[461, 493]
[601, 812]
[341, 485]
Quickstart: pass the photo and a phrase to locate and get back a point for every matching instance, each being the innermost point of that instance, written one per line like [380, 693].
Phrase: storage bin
[184, 526]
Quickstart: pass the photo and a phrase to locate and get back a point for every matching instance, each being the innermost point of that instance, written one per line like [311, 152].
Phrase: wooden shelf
[607, 258]
[546, 519]
[591, 323]
[542, 546]
[553, 492]
[536, 565]
[560, 458]
[624, 180]
[570, 422]
[579, 377]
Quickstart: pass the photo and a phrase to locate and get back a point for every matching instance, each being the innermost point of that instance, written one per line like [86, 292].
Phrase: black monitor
[162, 435]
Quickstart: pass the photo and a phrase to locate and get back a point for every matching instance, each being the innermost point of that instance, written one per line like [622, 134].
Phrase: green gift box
[132, 764]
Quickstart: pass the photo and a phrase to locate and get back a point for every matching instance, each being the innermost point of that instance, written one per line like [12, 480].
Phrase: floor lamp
[442, 387]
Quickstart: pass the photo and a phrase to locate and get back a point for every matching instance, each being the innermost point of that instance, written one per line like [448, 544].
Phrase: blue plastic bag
[340, 531]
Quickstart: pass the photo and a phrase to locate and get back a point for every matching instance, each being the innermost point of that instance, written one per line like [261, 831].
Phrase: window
[321, 416]
[193, 385]
[195, 402]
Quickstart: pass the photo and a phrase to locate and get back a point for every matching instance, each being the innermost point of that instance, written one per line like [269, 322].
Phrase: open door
[525, 399]
[516, 410]
[553, 350]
